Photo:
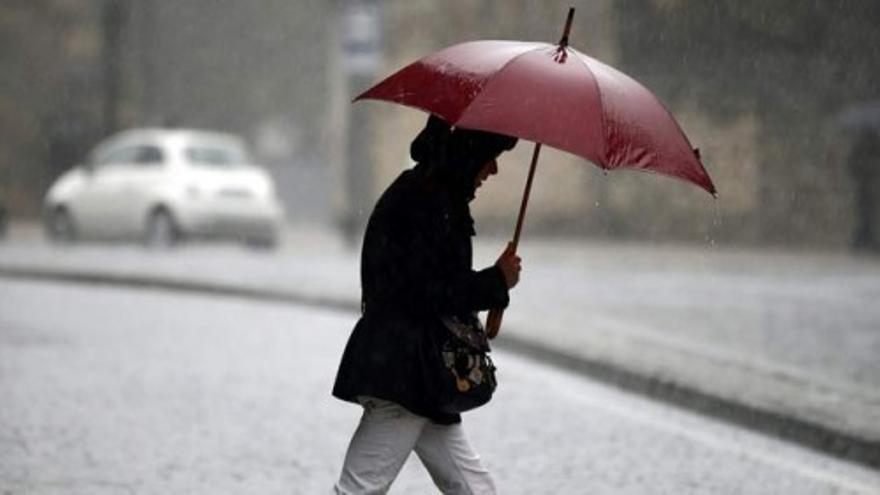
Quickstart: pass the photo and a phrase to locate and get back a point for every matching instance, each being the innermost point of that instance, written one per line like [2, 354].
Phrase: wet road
[108, 390]
[791, 333]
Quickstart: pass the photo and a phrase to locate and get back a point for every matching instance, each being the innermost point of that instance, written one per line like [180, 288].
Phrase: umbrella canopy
[549, 94]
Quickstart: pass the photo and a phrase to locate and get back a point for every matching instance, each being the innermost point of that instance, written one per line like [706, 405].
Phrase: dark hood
[454, 157]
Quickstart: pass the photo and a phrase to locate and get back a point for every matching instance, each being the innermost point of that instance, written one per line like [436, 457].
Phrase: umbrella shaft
[525, 199]
[493, 320]
[567, 30]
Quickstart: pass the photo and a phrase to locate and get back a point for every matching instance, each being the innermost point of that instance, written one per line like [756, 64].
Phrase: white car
[164, 185]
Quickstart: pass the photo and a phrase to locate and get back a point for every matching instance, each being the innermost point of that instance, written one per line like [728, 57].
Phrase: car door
[96, 205]
[138, 190]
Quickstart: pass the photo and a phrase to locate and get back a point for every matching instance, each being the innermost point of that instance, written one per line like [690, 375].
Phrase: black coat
[415, 268]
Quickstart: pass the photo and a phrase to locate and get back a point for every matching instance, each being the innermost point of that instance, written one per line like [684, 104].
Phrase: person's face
[490, 168]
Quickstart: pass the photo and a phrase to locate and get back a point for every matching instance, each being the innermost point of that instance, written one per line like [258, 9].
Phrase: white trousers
[387, 433]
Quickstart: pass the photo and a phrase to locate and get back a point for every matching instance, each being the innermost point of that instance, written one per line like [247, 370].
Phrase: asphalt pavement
[782, 342]
[116, 390]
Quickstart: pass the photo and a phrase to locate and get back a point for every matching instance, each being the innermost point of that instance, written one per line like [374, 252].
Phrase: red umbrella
[549, 94]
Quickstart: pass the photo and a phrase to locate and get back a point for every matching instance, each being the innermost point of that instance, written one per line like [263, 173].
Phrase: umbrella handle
[493, 320]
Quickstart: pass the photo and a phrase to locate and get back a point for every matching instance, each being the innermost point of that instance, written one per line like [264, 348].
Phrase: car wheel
[161, 230]
[60, 226]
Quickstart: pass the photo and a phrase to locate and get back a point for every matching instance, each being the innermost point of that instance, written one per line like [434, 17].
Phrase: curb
[809, 434]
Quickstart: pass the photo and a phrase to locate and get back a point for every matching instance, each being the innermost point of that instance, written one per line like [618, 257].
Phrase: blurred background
[762, 88]
[757, 309]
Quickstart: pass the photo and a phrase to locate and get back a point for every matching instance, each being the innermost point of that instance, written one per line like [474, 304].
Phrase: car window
[215, 156]
[118, 156]
[149, 155]
[141, 155]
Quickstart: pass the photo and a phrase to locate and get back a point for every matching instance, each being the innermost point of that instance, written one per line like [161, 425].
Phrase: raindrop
[709, 239]
[717, 221]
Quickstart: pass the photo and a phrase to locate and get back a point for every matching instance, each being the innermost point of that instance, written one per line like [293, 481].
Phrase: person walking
[416, 274]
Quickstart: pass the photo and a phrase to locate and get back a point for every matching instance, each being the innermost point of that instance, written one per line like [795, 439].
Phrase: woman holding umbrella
[416, 273]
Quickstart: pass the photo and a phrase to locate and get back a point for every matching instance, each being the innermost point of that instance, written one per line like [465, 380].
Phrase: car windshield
[216, 156]
[128, 155]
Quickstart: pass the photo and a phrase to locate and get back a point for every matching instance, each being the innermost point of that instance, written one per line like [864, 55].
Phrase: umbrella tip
[564, 40]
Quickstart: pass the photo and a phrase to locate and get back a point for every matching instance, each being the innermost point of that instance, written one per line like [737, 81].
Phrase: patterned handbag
[467, 378]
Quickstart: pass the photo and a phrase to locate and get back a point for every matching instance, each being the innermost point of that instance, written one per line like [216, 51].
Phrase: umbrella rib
[710, 188]
[538, 46]
[601, 109]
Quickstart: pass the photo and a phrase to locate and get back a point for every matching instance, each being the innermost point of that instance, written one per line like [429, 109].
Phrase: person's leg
[383, 440]
[455, 466]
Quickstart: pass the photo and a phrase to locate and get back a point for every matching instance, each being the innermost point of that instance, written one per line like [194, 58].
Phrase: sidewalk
[785, 343]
